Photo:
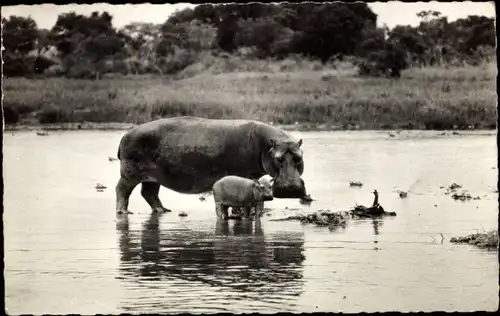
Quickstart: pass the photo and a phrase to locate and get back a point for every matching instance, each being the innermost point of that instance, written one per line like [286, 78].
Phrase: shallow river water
[66, 251]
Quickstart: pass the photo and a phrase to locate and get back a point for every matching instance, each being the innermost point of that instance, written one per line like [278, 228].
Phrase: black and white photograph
[250, 157]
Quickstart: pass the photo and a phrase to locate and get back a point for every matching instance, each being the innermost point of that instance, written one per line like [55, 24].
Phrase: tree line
[80, 46]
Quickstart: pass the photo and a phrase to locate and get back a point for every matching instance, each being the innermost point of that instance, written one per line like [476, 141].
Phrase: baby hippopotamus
[239, 192]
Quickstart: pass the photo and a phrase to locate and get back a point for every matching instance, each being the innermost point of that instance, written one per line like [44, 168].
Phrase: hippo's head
[262, 190]
[284, 163]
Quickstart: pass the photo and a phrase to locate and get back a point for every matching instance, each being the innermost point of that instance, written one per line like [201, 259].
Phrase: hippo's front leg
[221, 210]
[259, 210]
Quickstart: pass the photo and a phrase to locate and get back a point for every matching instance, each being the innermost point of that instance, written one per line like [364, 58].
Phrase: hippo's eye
[297, 159]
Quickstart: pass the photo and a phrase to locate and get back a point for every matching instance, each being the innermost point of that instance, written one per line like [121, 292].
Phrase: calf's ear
[299, 142]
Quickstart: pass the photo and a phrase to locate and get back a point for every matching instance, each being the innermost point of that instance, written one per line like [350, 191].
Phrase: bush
[388, 62]
[51, 115]
[18, 66]
[10, 115]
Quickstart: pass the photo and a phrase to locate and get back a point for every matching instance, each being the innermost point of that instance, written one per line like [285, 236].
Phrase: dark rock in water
[459, 196]
[454, 186]
[99, 186]
[464, 196]
[355, 184]
[370, 212]
[182, 214]
[42, 133]
[403, 194]
[112, 158]
[376, 210]
[488, 240]
[307, 199]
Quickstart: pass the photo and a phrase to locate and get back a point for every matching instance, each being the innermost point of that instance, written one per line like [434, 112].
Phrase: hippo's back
[163, 136]
[233, 190]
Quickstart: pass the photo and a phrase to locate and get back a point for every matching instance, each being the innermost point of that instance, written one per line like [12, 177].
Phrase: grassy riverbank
[326, 98]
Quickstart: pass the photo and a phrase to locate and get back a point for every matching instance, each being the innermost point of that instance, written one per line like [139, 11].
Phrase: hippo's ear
[299, 142]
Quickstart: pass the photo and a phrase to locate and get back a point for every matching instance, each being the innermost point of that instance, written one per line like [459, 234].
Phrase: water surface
[66, 251]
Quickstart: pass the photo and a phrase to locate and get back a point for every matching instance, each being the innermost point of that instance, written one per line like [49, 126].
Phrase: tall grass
[284, 92]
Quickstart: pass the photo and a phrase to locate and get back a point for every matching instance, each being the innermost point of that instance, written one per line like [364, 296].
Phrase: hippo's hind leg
[149, 192]
[123, 189]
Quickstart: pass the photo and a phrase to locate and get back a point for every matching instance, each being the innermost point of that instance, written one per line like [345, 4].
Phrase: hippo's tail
[119, 147]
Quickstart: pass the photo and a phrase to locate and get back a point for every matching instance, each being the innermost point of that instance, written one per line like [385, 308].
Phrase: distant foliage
[19, 38]
[90, 47]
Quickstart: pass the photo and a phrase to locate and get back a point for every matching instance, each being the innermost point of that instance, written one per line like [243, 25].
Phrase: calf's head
[262, 190]
[284, 162]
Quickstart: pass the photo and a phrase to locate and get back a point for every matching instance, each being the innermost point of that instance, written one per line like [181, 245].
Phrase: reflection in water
[168, 264]
[376, 223]
[236, 257]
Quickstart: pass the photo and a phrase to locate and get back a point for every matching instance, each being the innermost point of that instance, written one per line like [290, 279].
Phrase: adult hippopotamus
[239, 192]
[188, 155]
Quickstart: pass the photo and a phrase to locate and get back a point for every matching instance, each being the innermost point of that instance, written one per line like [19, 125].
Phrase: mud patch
[462, 195]
[485, 240]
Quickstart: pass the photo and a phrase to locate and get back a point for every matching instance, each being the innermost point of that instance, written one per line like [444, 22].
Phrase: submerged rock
[355, 184]
[464, 196]
[452, 190]
[403, 194]
[307, 199]
[99, 186]
[486, 240]
[376, 210]
[182, 214]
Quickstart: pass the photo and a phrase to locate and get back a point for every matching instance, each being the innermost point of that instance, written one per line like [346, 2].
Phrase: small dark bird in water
[402, 194]
[112, 158]
[391, 135]
[182, 214]
[99, 186]
[355, 184]
[203, 198]
[42, 133]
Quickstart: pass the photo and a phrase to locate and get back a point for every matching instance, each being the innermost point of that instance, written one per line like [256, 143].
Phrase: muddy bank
[485, 240]
[303, 127]
[69, 126]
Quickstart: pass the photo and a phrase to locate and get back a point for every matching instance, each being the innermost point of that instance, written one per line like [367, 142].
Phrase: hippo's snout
[266, 198]
[290, 191]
